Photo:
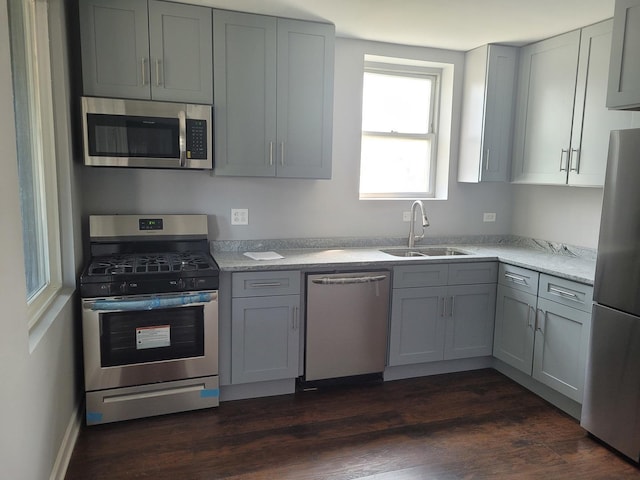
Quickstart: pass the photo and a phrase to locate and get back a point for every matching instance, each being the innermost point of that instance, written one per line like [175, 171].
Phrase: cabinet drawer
[566, 292]
[473, 273]
[420, 275]
[518, 278]
[262, 284]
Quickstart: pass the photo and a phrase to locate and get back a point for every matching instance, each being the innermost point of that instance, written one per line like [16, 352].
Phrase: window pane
[392, 103]
[30, 193]
[394, 165]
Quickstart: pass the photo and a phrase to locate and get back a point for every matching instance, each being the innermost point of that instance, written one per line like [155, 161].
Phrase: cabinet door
[514, 328]
[180, 52]
[562, 338]
[264, 338]
[305, 99]
[469, 318]
[487, 114]
[624, 73]
[547, 82]
[115, 48]
[592, 121]
[244, 86]
[417, 325]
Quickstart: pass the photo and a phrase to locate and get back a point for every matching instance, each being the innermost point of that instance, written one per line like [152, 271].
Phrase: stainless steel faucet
[425, 223]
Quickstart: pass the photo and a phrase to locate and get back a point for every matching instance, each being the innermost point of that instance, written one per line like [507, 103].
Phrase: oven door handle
[152, 303]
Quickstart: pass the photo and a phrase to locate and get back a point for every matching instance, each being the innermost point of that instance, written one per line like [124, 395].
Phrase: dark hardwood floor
[469, 425]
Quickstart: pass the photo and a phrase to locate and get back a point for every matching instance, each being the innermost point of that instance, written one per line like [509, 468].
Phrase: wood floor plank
[469, 425]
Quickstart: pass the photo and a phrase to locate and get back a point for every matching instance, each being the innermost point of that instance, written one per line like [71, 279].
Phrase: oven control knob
[123, 287]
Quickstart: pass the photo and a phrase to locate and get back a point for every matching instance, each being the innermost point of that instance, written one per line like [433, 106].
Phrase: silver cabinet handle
[562, 153]
[539, 326]
[282, 153]
[294, 319]
[264, 285]
[143, 66]
[271, 154]
[576, 152]
[529, 324]
[453, 304]
[487, 159]
[563, 293]
[516, 278]
[158, 82]
[444, 306]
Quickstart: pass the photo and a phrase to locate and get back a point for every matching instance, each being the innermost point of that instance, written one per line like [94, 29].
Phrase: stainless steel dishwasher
[347, 325]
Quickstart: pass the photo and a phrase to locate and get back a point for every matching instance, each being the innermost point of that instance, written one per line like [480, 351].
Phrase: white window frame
[41, 120]
[410, 70]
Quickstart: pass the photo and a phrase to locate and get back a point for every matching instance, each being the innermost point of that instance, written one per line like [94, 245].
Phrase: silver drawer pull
[563, 293]
[516, 278]
[262, 285]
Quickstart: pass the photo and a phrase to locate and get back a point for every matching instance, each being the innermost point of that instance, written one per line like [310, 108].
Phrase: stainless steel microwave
[146, 134]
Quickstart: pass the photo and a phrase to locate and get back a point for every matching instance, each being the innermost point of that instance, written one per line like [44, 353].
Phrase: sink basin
[423, 252]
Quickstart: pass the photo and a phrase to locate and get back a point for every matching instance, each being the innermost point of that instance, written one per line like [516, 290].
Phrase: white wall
[38, 388]
[286, 208]
[560, 214]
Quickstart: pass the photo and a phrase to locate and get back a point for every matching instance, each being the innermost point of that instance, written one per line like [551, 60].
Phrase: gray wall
[285, 208]
[38, 373]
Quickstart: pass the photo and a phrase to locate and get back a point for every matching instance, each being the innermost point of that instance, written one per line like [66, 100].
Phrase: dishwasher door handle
[348, 280]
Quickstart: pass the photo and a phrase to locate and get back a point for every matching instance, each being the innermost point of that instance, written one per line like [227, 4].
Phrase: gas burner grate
[150, 263]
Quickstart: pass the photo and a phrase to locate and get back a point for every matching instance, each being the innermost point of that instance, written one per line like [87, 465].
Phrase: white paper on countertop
[263, 255]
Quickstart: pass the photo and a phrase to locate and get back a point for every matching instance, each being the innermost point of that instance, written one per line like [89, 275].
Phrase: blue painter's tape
[209, 392]
[94, 417]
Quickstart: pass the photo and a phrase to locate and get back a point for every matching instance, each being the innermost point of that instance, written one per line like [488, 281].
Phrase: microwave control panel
[196, 139]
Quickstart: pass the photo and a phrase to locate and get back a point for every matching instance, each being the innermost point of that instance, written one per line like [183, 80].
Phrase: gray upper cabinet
[624, 73]
[146, 50]
[544, 111]
[487, 114]
[273, 90]
[562, 125]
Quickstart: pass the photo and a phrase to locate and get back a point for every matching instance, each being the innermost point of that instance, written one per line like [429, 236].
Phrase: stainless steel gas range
[149, 317]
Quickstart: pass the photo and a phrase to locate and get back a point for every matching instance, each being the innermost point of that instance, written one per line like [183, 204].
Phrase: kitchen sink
[423, 252]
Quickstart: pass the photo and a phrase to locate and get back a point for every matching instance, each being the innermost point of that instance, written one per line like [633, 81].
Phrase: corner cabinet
[624, 71]
[487, 114]
[442, 312]
[273, 91]
[265, 326]
[542, 328]
[137, 49]
[562, 123]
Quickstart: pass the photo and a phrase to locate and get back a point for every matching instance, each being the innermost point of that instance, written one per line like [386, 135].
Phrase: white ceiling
[450, 24]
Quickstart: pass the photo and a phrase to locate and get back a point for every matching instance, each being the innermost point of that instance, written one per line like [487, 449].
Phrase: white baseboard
[68, 443]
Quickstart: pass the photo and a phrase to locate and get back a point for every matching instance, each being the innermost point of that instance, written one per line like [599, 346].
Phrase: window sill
[39, 329]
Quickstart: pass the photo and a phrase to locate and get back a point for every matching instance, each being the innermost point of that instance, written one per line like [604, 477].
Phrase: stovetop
[149, 273]
[183, 262]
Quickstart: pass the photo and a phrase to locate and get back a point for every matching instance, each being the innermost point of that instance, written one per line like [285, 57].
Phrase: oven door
[137, 340]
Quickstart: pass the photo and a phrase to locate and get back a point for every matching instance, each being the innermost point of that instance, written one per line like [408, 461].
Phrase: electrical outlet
[489, 217]
[239, 216]
[406, 216]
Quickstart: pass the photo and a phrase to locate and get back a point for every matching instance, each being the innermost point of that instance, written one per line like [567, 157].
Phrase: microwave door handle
[182, 125]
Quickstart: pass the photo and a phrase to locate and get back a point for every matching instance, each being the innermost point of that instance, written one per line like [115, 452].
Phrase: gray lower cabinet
[146, 50]
[265, 326]
[543, 334]
[273, 90]
[442, 312]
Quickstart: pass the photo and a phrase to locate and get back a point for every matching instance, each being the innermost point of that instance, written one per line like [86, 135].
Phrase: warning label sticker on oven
[153, 337]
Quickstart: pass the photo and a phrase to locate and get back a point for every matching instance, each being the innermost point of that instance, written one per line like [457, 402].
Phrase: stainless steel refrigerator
[611, 406]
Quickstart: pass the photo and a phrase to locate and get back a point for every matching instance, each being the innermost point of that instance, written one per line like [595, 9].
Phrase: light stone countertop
[555, 259]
